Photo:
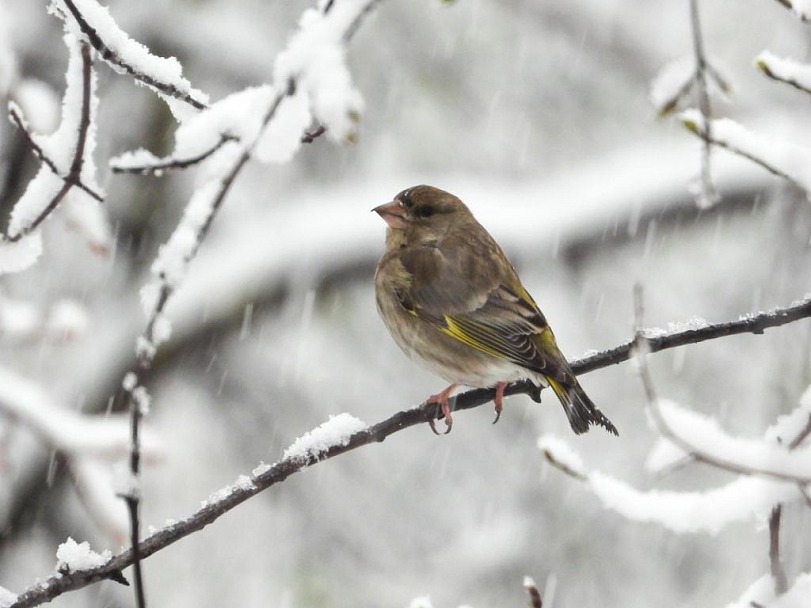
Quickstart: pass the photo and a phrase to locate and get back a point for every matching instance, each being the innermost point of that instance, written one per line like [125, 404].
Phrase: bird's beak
[392, 213]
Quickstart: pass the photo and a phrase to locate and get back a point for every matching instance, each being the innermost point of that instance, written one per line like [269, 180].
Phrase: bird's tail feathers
[580, 410]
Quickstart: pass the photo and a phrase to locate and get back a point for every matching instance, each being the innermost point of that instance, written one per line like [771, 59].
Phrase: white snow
[89, 218]
[334, 432]
[801, 8]
[674, 327]
[98, 485]
[743, 499]
[73, 556]
[134, 158]
[315, 56]
[39, 103]
[281, 139]
[562, 453]
[787, 158]
[16, 257]
[18, 319]
[67, 319]
[705, 437]
[761, 592]
[173, 257]
[242, 484]
[59, 147]
[423, 601]
[664, 455]
[162, 69]
[7, 598]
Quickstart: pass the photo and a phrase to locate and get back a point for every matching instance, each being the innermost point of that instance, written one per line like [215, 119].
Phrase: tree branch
[171, 164]
[107, 54]
[74, 175]
[265, 477]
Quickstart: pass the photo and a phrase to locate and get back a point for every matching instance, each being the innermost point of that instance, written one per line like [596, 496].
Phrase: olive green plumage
[454, 303]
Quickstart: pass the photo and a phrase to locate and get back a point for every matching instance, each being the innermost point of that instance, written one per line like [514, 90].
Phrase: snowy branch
[784, 159]
[29, 213]
[309, 452]
[125, 55]
[793, 73]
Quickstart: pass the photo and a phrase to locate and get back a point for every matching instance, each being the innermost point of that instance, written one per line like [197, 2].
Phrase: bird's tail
[580, 410]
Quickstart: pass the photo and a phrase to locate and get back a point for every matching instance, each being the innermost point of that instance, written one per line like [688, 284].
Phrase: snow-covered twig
[18, 121]
[791, 72]
[784, 159]
[531, 588]
[745, 461]
[130, 57]
[28, 220]
[144, 163]
[266, 476]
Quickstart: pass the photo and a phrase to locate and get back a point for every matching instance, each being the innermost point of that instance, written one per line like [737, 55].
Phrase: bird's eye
[425, 211]
[405, 199]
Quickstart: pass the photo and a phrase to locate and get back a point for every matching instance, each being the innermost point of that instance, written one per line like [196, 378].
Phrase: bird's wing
[484, 306]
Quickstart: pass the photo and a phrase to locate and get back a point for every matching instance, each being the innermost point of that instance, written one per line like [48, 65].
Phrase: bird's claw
[442, 402]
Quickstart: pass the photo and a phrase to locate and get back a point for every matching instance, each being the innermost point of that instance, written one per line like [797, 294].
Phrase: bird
[454, 304]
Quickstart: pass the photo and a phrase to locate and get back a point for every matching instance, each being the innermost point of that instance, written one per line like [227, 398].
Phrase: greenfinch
[453, 302]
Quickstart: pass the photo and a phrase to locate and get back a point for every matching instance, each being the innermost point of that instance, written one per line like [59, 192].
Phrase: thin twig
[531, 588]
[109, 55]
[310, 136]
[764, 68]
[708, 195]
[279, 472]
[641, 348]
[74, 176]
[721, 143]
[173, 164]
[776, 566]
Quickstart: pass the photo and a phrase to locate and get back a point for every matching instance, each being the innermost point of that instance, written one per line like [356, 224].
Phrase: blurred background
[536, 114]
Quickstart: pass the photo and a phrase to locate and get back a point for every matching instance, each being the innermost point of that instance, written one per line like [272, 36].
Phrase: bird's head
[422, 214]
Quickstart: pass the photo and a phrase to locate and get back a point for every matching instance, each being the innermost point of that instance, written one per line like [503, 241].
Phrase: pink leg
[499, 400]
[441, 400]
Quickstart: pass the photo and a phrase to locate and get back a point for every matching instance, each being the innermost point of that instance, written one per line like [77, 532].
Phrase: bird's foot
[441, 399]
[499, 399]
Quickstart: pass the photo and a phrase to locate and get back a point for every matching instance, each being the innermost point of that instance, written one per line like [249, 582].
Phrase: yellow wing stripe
[454, 331]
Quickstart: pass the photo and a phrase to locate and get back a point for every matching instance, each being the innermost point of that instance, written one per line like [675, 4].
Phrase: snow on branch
[92, 22]
[785, 70]
[265, 476]
[801, 8]
[67, 167]
[782, 158]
